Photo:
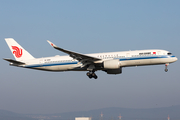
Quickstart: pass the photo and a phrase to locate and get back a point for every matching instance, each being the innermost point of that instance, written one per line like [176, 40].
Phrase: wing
[78, 56]
[14, 61]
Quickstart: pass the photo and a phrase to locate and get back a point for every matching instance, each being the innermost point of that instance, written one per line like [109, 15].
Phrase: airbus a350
[109, 62]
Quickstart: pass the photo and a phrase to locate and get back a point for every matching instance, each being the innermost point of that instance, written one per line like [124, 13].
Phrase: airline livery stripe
[121, 59]
[142, 58]
[52, 64]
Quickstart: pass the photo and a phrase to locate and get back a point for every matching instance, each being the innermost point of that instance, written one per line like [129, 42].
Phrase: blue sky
[89, 27]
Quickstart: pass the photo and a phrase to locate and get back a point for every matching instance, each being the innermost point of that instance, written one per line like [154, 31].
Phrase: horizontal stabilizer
[14, 61]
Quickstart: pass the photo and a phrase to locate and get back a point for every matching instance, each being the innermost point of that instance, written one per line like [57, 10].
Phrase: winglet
[53, 45]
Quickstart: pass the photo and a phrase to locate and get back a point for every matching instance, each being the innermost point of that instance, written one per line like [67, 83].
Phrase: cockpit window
[169, 53]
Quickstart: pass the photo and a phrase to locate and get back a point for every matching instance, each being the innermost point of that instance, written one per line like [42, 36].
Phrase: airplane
[110, 62]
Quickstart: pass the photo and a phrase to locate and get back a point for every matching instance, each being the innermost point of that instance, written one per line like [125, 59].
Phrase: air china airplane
[111, 62]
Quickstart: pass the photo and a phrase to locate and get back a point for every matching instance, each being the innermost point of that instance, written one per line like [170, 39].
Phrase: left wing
[14, 61]
[78, 56]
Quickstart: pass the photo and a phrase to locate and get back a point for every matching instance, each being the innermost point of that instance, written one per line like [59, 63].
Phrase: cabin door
[41, 62]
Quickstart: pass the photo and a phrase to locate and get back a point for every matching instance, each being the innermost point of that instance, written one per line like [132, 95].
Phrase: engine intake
[111, 64]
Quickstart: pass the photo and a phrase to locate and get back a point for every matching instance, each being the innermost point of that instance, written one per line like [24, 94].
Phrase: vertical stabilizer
[20, 54]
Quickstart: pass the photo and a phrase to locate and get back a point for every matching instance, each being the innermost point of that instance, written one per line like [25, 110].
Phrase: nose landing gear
[166, 65]
[91, 74]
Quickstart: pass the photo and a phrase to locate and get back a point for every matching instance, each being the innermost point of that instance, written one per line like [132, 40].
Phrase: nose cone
[172, 59]
[175, 59]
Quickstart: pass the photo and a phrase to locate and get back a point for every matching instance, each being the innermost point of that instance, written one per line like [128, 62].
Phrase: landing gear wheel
[88, 73]
[94, 76]
[166, 66]
[91, 75]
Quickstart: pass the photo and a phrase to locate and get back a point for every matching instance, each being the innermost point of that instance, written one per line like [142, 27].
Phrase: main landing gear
[166, 65]
[91, 74]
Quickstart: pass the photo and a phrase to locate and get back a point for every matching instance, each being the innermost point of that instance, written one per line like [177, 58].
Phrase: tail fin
[20, 54]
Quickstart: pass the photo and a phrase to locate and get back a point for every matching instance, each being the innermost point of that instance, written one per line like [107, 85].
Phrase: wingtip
[53, 45]
[48, 41]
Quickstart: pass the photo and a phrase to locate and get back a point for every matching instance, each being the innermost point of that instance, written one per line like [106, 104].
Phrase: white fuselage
[126, 59]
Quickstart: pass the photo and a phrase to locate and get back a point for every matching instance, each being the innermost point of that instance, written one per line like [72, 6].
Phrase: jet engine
[114, 71]
[111, 64]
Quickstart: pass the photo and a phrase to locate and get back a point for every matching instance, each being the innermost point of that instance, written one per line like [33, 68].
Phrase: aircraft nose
[175, 58]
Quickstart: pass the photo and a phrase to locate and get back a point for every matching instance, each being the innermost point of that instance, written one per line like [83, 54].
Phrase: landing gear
[166, 65]
[91, 75]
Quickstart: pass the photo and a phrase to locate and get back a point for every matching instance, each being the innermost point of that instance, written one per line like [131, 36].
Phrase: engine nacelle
[114, 71]
[111, 64]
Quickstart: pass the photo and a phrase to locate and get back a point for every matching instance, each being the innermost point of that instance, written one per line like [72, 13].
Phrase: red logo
[154, 52]
[17, 51]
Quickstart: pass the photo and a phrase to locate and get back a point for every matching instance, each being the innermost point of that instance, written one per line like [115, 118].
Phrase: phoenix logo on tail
[17, 51]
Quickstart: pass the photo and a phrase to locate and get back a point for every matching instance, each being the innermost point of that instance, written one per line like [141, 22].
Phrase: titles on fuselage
[145, 53]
